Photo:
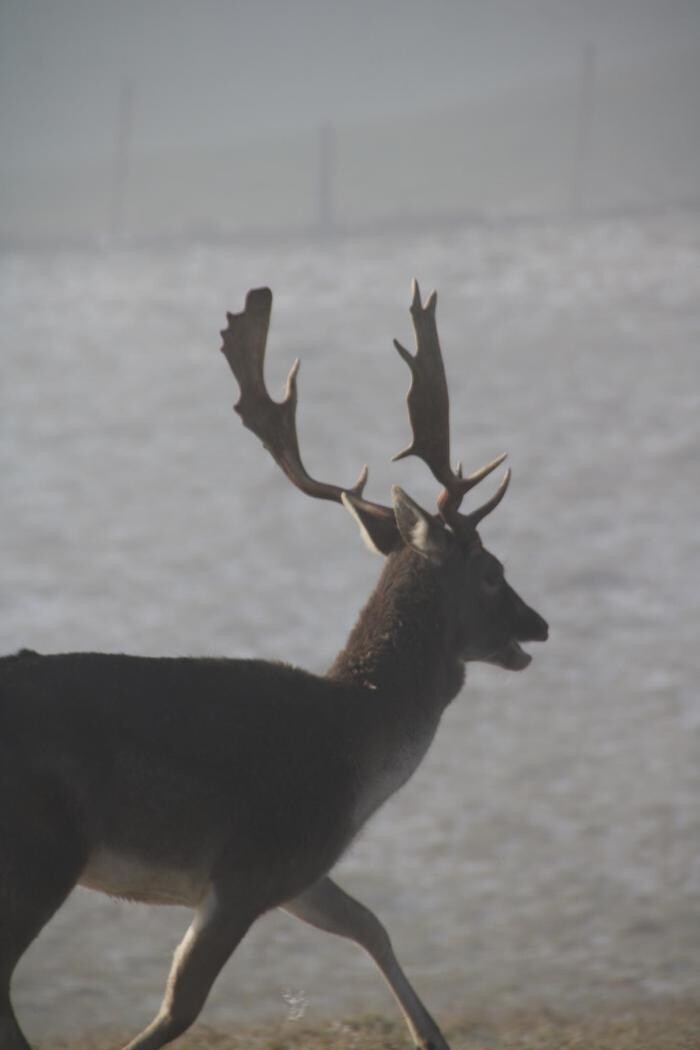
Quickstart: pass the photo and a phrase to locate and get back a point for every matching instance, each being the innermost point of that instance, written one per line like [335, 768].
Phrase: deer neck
[401, 645]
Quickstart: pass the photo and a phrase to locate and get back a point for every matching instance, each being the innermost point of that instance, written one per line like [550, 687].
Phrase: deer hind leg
[218, 926]
[41, 856]
[329, 908]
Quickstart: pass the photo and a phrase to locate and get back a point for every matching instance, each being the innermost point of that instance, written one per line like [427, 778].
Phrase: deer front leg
[329, 908]
[217, 928]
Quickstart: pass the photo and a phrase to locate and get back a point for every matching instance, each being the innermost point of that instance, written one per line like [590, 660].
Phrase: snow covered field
[548, 851]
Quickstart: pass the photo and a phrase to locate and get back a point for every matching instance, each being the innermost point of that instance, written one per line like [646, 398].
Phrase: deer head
[484, 617]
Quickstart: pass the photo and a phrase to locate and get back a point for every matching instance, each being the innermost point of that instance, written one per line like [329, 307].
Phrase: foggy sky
[210, 71]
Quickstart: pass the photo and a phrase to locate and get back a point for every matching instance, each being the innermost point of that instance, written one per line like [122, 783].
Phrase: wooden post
[121, 166]
[583, 127]
[325, 221]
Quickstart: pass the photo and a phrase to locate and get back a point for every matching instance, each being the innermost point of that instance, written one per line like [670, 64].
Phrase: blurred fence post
[582, 129]
[325, 219]
[121, 166]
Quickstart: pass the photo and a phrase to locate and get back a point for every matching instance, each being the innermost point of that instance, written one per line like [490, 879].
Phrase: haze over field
[546, 854]
[170, 118]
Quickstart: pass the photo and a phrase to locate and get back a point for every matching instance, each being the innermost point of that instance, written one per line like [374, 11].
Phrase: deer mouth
[512, 657]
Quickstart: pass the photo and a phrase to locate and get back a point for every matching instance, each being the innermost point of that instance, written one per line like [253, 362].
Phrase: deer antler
[274, 422]
[429, 413]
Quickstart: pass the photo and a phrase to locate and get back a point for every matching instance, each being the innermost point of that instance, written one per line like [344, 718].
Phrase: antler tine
[470, 521]
[450, 498]
[274, 422]
[429, 413]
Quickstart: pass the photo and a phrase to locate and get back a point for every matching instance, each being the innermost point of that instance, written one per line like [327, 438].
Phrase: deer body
[233, 786]
[214, 767]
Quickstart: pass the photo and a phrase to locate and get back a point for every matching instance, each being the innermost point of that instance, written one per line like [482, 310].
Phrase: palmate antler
[429, 413]
[274, 422]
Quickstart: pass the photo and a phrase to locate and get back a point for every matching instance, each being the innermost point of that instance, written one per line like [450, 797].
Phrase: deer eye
[492, 578]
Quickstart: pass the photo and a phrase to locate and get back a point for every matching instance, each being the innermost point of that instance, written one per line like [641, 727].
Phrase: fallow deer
[233, 786]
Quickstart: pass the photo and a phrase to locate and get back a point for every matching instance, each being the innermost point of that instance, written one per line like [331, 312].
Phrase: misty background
[165, 119]
[537, 163]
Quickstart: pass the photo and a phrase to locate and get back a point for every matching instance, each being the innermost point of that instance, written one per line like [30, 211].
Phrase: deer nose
[533, 627]
[539, 629]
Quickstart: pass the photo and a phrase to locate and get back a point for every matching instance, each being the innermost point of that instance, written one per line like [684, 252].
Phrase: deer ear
[379, 534]
[419, 530]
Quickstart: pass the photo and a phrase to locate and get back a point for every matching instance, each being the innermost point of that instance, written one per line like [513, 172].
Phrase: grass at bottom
[662, 1026]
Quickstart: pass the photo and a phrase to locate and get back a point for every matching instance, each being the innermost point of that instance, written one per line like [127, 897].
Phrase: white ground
[548, 851]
